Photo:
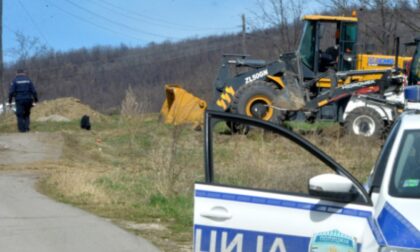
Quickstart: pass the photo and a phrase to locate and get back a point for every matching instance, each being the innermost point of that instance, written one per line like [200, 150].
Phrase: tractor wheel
[366, 122]
[256, 100]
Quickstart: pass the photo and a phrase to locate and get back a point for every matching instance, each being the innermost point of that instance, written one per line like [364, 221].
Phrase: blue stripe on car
[297, 205]
[398, 231]
[248, 240]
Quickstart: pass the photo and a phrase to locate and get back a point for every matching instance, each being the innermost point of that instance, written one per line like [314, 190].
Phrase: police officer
[23, 90]
[328, 58]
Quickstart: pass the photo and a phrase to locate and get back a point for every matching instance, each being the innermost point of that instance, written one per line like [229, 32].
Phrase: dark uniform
[328, 59]
[23, 90]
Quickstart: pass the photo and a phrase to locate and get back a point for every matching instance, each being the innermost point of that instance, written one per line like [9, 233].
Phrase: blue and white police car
[12, 108]
[338, 214]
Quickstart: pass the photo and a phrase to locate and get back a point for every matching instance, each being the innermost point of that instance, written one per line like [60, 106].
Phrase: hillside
[99, 76]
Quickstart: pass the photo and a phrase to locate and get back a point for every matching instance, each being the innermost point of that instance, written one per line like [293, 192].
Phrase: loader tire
[365, 122]
[256, 100]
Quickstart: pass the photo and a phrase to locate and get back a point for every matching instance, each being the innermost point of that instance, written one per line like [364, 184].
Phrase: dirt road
[30, 221]
[23, 148]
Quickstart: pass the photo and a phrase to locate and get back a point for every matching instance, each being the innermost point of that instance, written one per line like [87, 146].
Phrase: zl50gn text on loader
[320, 80]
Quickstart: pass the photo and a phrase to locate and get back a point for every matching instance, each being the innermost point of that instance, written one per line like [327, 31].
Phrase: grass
[309, 127]
[131, 170]
[137, 170]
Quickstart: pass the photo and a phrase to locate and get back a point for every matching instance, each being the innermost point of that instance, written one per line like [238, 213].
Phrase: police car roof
[410, 120]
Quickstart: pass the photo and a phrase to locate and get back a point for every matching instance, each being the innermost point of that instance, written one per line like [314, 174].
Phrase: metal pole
[243, 34]
[397, 52]
[3, 89]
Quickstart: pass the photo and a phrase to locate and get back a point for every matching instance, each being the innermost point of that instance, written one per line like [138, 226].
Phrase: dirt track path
[30, 221]
[21, 148]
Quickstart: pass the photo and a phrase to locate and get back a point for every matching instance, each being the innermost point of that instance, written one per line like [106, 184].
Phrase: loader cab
[328, 42]
[414, 71]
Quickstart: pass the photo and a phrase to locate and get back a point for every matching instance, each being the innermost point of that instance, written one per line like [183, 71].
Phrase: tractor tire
[365, 121]
[256, 100]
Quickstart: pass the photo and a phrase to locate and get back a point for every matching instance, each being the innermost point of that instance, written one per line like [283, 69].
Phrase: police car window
[263, 160]
[375, 181]
[405, 181]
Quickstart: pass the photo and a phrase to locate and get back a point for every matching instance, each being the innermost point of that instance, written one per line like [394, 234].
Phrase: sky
[71, 24]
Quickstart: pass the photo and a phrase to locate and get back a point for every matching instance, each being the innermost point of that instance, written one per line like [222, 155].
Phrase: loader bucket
[292, 96]
[181, 107]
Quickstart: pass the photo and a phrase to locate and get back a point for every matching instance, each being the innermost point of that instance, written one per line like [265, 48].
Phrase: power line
[115, 22]
[34, 23]
[191, 51]
[92, 23]
[161, 21]
[134, 17]
[3, 89]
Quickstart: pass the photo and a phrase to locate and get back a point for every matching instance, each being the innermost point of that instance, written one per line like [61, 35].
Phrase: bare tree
[99, 76]
[388, 19]
[282, 16]
[27, 46]
[339, 7]
[408, 14]
[380, 21]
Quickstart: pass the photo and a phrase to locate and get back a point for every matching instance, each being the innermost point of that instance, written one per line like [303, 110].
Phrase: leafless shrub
[172, 163]
[131, 112]
[130, 106]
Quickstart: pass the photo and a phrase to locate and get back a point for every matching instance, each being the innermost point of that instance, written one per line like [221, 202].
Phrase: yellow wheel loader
[317, 79]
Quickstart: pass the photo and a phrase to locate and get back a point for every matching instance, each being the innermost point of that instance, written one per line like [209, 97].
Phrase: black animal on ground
[85, 122]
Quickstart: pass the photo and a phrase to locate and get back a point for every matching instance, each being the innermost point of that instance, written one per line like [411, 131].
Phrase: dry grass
[133, 169]
[138, 170]
[79, 183]
[356, 154]
[263, 160]
[7, 122]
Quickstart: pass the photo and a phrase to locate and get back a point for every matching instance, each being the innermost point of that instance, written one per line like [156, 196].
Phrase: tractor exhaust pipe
[397, 51]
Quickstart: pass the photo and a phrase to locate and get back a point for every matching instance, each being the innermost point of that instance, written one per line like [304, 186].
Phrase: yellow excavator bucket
[181, 107]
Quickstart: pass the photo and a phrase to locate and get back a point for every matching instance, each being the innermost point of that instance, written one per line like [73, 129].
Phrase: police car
[338, 214]
[8, 109]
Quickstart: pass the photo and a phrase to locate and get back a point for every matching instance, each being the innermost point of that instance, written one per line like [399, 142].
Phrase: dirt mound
[67, 107]
[53, 118]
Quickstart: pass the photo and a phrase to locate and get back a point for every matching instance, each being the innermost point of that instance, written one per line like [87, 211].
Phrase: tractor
[315, 82]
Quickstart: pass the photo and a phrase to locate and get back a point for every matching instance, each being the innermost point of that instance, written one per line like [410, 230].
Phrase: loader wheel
[256, 100]
[366, 122]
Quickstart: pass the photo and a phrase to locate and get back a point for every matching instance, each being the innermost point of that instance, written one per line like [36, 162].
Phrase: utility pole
[1, 60]
[243, 34]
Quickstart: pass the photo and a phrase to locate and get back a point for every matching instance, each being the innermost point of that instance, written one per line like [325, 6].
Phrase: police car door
[239, 206]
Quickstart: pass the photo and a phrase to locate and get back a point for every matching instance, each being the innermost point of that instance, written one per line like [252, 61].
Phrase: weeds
[143, 171]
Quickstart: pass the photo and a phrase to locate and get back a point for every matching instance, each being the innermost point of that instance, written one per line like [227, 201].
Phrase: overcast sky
[71, 24]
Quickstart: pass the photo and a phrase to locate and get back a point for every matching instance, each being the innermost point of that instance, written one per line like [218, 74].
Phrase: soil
[67, 107]
[61, 109]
